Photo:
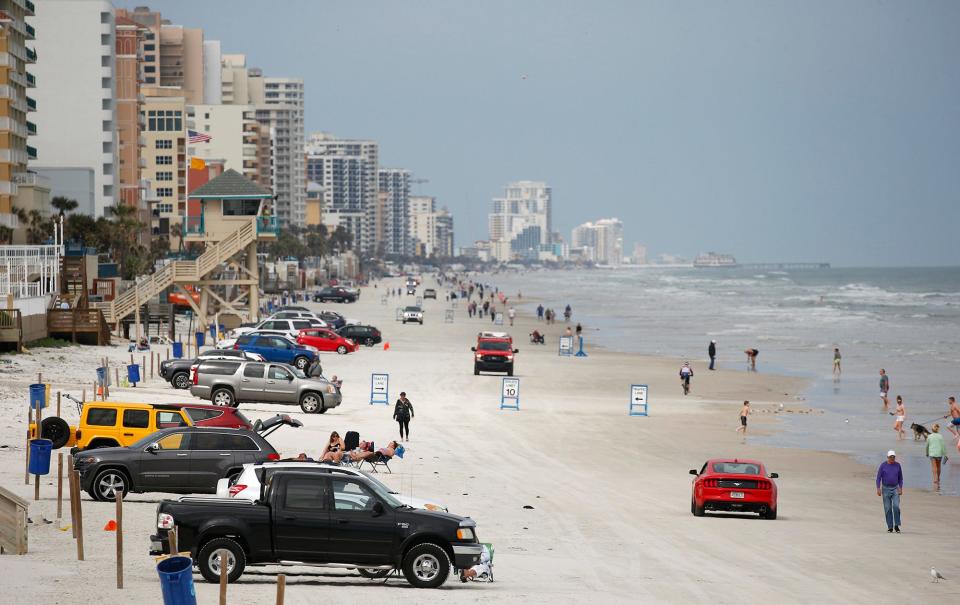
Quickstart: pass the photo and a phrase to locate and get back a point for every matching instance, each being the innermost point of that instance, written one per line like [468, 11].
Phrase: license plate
[736, 494]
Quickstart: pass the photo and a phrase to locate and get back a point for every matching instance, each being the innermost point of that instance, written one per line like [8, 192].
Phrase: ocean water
[906, 321]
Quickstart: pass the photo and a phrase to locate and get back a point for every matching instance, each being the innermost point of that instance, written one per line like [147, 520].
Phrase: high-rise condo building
[600, 241]
[76, 112]
[235, 137]
[395, 182]
[16, 104]
[431, 231]
[524, 204]
[172, 54]
[165, 161]
[284, 112]
[131, 190]
[348, 171]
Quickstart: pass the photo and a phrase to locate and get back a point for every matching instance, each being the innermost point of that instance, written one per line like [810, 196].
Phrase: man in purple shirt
[890, 488]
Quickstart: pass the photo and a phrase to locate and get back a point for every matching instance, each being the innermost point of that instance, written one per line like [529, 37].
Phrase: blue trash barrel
[213, 332]
[133, 373]
[200, 339]
[38, 396]
[101, 375]
[178, 350]
[40, 456]
[176, 581]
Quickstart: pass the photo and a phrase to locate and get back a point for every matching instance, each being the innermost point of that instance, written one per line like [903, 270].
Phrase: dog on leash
[919, 431]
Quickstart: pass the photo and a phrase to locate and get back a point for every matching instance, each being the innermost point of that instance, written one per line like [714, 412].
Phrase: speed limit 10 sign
[510, 394]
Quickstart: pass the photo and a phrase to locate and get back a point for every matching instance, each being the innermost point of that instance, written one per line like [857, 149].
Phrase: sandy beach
[610, 494]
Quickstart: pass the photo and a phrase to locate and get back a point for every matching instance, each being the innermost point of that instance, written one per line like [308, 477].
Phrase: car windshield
[736, 468]
[297, 373]
[413, 309]
[384, 492]
[491, 345]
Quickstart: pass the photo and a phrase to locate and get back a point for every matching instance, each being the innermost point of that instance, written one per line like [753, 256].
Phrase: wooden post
[79, 520]
[143, 370]
[119, 494]
[73, 505]
[59, 487]
[83, 395]
[39, 377]
[281, 587]
[151, 365]
[26, 462]
[58, 404]
[172, 539]
[118, 375]
[223, 579]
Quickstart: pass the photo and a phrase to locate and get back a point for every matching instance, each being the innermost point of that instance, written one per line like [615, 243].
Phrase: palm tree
[64, 204]
[6, 235]
[40, 226]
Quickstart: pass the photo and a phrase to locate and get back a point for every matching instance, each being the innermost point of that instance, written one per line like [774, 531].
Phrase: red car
[211, 415]
[734, 485]
[326, 340]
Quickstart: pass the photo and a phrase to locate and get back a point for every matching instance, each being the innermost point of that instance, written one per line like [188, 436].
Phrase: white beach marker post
[510, 394]
[380, 389]
[638, 400]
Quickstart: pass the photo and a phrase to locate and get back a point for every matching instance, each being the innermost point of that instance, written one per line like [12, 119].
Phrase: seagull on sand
[936, 575]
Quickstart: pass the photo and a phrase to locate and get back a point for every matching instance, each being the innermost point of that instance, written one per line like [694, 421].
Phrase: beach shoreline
[609, 493]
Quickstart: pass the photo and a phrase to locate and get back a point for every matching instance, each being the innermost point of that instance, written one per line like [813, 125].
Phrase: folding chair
[351, 441]
[384, 461]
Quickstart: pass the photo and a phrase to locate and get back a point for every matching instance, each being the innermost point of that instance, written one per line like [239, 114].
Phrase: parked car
[276, 348]
[429, 293]
[185, 460]
[413, 314]
[177, 371]
[292, 308]
[334, 320]
[326, 340]
[117, 423]
[734, 485]
[319, 519]
[281, 327]
[493, 353]
[231, 383]
[335, 294]
[249, 484]
[294, 315]
[367, 335]
[411, 290]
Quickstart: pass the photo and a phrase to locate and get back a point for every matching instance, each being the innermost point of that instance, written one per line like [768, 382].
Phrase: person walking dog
[890, 488]
[403, 413]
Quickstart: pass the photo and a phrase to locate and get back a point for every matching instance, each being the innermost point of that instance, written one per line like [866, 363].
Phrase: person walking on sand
[579, 330]
[954, 417]
[403, 413]
[540, 312]
[686, 373]
[752, 359]
[890, 488]
[744, 412]
[937, 453]
[567, 313]
[567, 331]
[712, 352]
[512, 313]
[884, 388]
[901, 415]
[836, 361]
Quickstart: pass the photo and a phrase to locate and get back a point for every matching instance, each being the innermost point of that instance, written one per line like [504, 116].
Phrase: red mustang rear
[734, 485]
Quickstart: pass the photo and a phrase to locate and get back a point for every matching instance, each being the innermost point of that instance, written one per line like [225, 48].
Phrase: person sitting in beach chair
[482, 572]
[333, 451]
[537, 338]
[380, 457]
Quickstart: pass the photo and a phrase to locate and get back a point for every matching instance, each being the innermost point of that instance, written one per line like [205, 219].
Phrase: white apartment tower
[524, 204]
[600, 241]
[395, 182]
[76, 115]
[348, 171]
[284, 111]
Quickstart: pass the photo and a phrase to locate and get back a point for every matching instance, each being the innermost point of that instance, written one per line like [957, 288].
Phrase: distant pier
[784, 266]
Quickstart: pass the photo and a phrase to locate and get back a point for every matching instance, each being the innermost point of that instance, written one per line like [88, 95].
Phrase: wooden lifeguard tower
[226, 214]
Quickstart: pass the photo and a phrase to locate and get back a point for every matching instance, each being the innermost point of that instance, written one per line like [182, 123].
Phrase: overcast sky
[772, 130]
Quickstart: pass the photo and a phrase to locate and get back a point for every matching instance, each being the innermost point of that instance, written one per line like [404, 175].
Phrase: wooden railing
[11, 327]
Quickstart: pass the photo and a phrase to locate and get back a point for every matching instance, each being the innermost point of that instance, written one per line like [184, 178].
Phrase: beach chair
[351, 441]
[384, 461]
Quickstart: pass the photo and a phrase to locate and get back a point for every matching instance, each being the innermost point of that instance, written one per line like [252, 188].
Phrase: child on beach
[901, 414]
[744, 412]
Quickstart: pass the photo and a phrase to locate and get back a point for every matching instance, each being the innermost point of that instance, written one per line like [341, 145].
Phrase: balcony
[267, 225]
[192, 225]
[31, 33]
[31, 104]
[31, 80]
[7, 92]
[9, 220]
[12, 126]
[142, 141]
[8, 188]
[29, 9]
[31, 55]
[31, 128]
[31, 179]
[31, 152]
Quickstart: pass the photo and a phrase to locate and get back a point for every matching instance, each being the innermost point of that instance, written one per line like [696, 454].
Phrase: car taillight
[273, 456]
[165, 521]
[709, 483]
[236, 345]
[763, 485]
[194, 376]
[236, 489]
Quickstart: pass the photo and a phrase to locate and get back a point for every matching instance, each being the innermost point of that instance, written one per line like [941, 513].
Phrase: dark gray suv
[184, 460]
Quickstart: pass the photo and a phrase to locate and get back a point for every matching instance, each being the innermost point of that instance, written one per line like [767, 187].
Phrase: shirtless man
[744, 412]
[387, 452]
[954, 418]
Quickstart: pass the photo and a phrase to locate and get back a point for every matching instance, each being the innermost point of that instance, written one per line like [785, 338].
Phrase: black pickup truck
[319, 520]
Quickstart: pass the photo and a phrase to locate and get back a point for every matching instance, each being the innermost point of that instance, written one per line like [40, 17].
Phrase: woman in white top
[901, 414]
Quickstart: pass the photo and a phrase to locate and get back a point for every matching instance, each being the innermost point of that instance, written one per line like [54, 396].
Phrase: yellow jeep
[111, 424]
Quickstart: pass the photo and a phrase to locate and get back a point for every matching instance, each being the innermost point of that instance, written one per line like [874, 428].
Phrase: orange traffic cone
[110, 526]
[386, 346]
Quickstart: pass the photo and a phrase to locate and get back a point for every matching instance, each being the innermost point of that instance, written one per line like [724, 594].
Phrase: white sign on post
[638, 400]
[380, 389]
[498, 319]
[510, 394]
[566, 346]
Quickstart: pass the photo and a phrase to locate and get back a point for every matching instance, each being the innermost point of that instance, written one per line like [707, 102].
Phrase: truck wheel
[180, 380]
[426, 566]
[373, 574]
[56, 430]
[311, 403]
[208, 560]
[301, 362]
[222, 397]
[342, 350]
[107, 483]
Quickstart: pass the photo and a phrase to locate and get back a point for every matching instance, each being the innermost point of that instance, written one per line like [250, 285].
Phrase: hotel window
[164, 176]
[163, 144]
[149, 47]
[165, 191]
[164, 160]
[165, 208]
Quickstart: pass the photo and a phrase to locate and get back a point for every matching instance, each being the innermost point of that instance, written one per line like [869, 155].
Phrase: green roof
[231, 184]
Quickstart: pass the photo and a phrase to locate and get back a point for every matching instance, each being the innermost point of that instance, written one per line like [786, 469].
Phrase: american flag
[198, 137]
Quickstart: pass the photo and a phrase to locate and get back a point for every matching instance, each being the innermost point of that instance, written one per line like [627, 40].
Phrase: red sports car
[734, 485]
[326, 340]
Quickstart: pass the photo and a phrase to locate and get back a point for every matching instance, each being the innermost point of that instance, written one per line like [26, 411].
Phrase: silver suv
[230, 383]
